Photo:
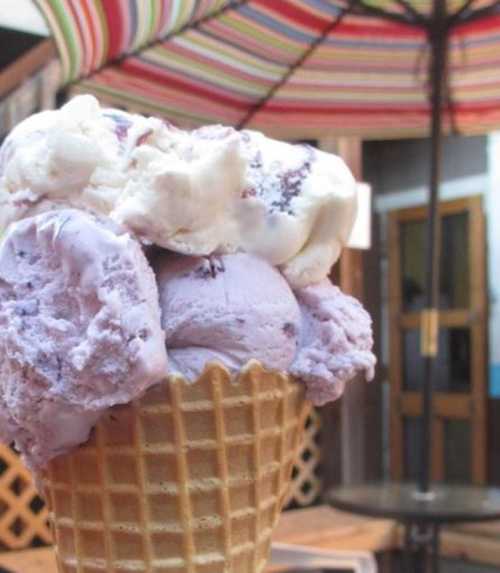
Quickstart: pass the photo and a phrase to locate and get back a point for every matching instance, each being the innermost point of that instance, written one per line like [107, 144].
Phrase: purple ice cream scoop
[335, 344]
[79, 329]
[238, 307]
[227, 309]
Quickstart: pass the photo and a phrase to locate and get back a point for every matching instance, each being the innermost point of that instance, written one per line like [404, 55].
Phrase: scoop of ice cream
[79, 328]
[235, 308]
[336, 341]
[212, 190]
[229, 309]
[297, 206]
[183, 200]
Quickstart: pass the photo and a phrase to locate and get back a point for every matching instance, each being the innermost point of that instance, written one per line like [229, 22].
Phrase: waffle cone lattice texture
[191, 478]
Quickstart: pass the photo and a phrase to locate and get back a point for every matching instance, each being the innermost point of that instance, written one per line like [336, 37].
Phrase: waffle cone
[190, 478]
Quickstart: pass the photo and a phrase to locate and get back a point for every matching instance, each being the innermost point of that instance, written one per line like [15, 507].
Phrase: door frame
[464, 406]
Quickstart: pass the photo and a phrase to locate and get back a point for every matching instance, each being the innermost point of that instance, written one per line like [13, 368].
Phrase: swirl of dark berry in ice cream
[276, 180]
[267, 177]
[122, 124]
[210, 267]
[290, 183]
[290, 329]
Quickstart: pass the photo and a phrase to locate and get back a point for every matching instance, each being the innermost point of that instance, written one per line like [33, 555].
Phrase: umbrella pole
[429, 326]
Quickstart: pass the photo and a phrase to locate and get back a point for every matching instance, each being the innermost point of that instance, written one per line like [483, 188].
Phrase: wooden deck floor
[324, 528]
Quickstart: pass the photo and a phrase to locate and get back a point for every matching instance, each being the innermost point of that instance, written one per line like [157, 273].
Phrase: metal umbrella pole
[437, 32]
[438, 40]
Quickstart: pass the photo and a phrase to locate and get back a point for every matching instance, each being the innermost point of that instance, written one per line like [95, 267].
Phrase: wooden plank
[478, 376]
[331, 438]
[26, 65]
[29, 561]
[395, 350]
[466, 547]
[326, 528]
[331, 445]
[353, 403]
[354, 399]
[373, 413]
[451, 406]
[455, 318]
[351, 151]
[484, 529]
[445, 208]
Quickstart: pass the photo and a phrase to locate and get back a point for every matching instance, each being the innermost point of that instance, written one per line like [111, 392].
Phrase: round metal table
[421, 515]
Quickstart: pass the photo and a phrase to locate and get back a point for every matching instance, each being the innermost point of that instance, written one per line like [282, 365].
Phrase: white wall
[492, 204]
[22, 15]
[401, 165]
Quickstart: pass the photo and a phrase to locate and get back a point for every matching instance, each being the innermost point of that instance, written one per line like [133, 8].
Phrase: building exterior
[398, 171]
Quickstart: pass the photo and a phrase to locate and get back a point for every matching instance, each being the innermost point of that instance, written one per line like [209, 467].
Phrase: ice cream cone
[190, 478]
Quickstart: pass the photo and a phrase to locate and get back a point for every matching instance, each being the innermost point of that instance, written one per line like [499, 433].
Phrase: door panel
[460, 382]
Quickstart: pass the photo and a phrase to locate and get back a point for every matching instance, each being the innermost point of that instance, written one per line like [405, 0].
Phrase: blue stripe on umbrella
[272, 24]
[325, 6]
[133, 20]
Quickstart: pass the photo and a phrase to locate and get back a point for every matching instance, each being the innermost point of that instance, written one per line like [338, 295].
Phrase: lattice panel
[23, 516]
[306, 478]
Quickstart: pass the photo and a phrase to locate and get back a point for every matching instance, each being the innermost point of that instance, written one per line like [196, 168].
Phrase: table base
[421, 547]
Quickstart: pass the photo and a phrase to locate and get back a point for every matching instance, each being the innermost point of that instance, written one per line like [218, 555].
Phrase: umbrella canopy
[292, 67]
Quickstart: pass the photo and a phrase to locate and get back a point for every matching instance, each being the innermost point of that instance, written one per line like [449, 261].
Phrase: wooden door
[458, 424]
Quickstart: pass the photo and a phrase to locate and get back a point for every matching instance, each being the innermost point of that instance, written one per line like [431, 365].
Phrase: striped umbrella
[298, 68]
